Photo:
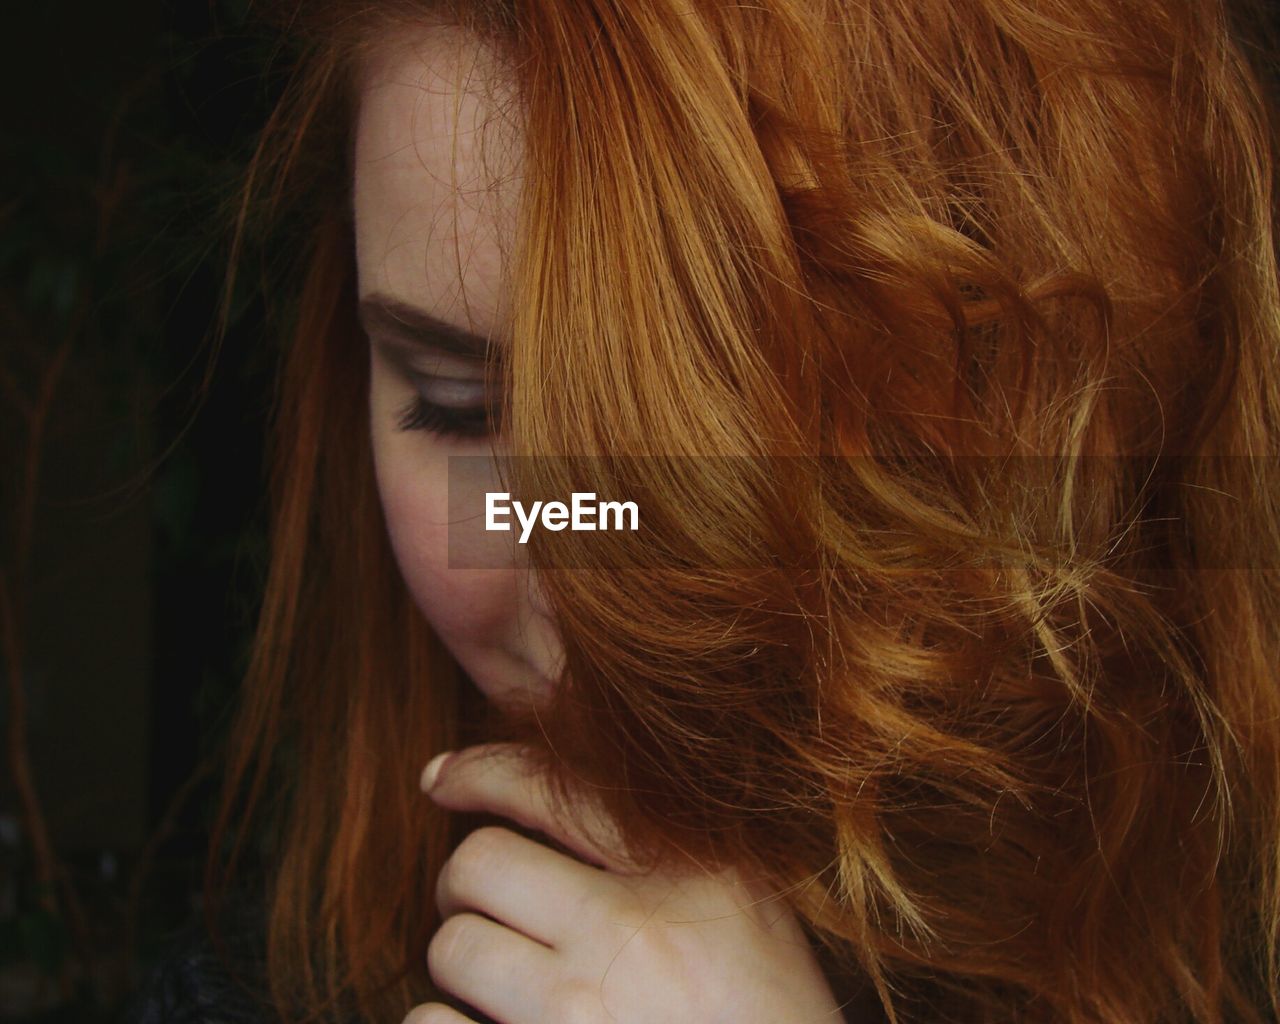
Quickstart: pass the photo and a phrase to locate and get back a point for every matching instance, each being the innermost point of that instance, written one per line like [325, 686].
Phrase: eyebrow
[382, 315]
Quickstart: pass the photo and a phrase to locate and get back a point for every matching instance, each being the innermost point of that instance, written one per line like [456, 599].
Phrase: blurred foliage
[131, 126]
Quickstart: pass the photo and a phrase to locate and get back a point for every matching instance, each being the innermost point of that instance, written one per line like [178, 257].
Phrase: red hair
[1007, 727]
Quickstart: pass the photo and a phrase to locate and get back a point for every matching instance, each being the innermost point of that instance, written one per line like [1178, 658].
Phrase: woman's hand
[535, 936]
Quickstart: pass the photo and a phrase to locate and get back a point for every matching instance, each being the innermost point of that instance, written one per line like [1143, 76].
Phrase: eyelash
[445, 421]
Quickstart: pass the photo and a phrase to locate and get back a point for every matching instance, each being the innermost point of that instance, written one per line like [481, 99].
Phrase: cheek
[466, 606]
[491, 619]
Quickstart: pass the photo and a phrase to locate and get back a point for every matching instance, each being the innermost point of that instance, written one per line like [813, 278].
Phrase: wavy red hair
[994, 285]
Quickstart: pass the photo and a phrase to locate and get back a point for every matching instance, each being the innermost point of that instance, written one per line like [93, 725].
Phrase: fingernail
[432, 771]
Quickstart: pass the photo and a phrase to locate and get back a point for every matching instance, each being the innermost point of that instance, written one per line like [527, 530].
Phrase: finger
[503, 974]
[516, 881]
[435, 1013]
[499, 778]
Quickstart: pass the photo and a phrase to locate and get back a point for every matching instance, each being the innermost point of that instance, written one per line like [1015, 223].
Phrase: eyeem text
[582, 513]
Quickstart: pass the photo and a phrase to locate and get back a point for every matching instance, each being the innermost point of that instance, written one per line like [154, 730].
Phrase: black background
[131, 478]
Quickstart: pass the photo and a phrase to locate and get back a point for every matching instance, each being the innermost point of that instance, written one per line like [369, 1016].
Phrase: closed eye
[449, 407]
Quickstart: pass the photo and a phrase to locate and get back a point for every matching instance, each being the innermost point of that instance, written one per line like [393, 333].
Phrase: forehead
[435, 176]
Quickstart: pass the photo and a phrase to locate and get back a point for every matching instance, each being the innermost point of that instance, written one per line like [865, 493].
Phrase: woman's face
[431, 221]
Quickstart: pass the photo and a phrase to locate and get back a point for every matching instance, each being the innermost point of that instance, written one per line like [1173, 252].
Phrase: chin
[505, 679]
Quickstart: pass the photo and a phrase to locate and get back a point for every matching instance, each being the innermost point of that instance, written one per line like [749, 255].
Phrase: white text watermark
[582, 513]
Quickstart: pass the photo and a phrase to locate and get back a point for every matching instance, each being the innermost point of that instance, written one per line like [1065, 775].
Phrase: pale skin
[530, 934]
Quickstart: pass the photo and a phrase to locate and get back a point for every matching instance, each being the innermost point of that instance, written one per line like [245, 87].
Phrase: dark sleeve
[192, 982]
[192, 986]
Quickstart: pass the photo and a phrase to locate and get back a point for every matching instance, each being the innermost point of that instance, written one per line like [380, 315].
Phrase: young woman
[937, 344]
